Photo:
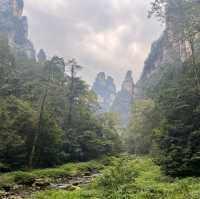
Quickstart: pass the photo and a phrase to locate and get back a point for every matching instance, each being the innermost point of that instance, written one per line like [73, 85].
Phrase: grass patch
[127, 177]
[132, 178]
[57, 195]
[27, 178]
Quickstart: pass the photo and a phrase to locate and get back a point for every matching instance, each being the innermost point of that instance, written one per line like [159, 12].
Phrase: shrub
[117, 180]
[4, 168]
[24, 178]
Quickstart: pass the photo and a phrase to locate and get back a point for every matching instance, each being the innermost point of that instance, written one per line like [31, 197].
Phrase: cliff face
[110, 100]
[124, 99]
[170, 50]
[105, 89]
[182, 21]
[166, 50]
[41, 56]
[15, 26]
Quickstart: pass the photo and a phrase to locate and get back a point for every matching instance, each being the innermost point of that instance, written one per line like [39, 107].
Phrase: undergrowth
[132, 178]
[127, 177]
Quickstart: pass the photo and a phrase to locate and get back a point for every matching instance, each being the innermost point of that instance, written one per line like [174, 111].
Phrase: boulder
[41, 183]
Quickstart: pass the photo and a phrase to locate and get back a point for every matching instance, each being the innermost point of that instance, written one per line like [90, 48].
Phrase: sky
[112, 36]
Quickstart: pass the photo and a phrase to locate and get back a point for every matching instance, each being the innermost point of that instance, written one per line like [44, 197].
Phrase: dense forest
[50, 118]
[165, 119]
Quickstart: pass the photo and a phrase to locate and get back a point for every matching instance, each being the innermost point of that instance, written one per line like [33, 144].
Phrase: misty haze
[100, 99]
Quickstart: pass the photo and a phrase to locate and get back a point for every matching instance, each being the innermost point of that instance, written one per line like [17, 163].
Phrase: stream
[60, 183]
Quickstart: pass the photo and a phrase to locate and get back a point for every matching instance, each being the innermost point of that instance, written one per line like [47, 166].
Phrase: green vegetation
[165, 121]
[139, 139]
[59, 195]
[131, 177]
[49, 117]
[50, 174]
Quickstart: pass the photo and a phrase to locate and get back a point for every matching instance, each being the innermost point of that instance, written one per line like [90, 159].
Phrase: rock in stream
[62, 183]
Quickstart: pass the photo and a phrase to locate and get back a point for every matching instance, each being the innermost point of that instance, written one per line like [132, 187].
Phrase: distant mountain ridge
[112, 101]
[105, 89]
[124, 99]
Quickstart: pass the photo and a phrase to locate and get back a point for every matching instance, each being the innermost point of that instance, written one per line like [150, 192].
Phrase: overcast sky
[103, 35]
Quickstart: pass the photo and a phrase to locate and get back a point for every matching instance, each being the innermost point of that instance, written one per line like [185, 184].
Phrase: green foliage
[116, 180]
[48, 117]
[176, 130]
[23, 178]
[131, 177]
[17, 124]
[178, 135]
[91, 137]
[4, 168]
[58, 195]
[144, 120]
[48, 145]
[50, 174]
[170, 128]
[7, 68]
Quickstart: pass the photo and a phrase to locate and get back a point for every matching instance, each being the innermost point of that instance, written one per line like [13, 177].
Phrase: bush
[24, 178]
[117, 180]
[4, 168]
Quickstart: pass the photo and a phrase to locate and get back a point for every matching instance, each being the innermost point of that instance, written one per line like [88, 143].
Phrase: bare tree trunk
[37, 133]
[71, 99]
[196, 69]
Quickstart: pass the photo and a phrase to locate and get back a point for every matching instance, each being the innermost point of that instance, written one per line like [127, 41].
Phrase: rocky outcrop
[105, 89]
[15, 26]
[155, 57]
[124, 99]
[110, 100]
[164, 51]
[172, 47]
[41, 56]
[169, 51]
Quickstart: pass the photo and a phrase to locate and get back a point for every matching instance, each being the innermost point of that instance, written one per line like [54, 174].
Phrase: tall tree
[73, 68]
[54, 74]
[7, 68]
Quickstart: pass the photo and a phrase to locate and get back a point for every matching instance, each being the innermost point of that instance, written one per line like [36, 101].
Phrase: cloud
[104, 35]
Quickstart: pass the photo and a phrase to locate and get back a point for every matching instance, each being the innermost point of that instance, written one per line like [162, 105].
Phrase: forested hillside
[47, 116]
[166, 112]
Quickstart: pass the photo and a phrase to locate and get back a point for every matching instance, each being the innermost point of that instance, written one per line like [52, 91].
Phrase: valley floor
[126, 177]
